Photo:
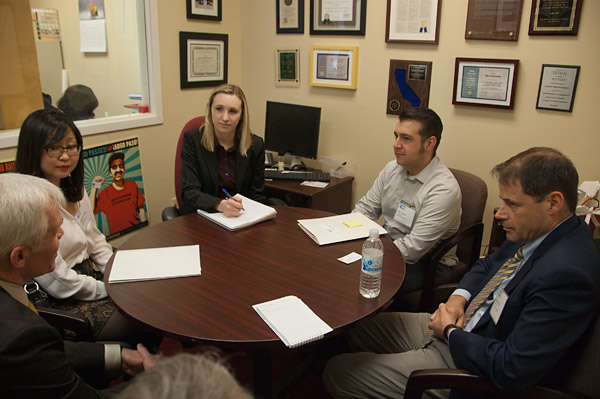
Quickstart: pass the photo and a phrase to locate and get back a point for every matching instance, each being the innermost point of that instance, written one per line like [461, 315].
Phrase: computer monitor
[292, 129]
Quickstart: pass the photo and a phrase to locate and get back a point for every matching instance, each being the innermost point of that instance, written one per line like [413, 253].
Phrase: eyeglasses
[55, 151]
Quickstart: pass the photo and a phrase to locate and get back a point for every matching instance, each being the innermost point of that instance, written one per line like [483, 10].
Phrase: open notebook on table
[331, 229]
[254, 212]
[292, 320]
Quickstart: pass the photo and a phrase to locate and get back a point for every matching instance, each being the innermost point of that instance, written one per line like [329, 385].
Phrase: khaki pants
[388, 349]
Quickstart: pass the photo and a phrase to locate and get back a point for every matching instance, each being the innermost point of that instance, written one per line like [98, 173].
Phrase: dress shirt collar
[427, 171]
[15, 291]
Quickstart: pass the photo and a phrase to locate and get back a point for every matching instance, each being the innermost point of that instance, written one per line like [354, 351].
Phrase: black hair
[115, 156]
[43, 128]
[431, 124]
[79, 102]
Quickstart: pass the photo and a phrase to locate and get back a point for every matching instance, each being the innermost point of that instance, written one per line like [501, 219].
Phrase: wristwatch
[447, 330]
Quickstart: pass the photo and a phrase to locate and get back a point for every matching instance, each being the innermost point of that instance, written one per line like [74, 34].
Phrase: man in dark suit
[34, 360]
[514, 316]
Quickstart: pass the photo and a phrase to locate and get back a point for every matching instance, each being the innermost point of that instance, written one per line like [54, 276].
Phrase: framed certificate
[412, 21]
[551, 17]
[485, 82]
[338, 17]
[202, 59]
[334, 66]
[557, 87]
[290, 16]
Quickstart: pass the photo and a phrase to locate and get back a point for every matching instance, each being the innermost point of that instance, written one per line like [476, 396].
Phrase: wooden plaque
[493, 19]
[408, 85]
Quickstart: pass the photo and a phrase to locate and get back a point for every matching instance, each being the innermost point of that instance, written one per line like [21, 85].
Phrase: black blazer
[36, 363]
[551, 301]
[199, 173]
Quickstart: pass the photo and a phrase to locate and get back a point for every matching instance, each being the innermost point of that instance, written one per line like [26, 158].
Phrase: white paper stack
[331, 229]
[254, 212]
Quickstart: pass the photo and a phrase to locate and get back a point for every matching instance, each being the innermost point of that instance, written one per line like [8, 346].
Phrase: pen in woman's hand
[230, 196]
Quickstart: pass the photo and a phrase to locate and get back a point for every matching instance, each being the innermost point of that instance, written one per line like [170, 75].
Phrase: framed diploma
[493, 19]
[408, 85]
[338, 17]
[202, 59]
[551, 17]
[412, 21]
[334, 66]
[287, 65]
[204, 9]
[485, 82]
[290, 16]
[557, 87]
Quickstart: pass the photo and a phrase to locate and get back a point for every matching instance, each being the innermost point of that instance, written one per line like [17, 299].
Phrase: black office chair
[70, 325]
[468, 243]
[579, 380]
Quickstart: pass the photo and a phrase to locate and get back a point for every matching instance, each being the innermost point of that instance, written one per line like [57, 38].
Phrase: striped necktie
[505, 271]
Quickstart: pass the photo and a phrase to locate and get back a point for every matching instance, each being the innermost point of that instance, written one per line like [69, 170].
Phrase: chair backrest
[583, 377]
[474, 197]
[192, 123]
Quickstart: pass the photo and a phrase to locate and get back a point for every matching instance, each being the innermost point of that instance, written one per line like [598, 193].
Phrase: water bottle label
[371, 264]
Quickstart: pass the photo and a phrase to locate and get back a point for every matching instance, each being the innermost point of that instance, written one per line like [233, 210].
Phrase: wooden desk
[263, 262]
[336, 197]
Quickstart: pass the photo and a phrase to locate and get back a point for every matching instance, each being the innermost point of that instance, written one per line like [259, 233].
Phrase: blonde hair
[242, 132]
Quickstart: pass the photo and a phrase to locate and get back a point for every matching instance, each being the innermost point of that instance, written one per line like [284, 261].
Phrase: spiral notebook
[292, 320]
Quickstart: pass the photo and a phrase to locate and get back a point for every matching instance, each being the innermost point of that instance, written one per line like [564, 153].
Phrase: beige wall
[354, 125]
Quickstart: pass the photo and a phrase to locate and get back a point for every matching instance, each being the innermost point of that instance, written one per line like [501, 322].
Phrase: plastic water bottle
[372, 262]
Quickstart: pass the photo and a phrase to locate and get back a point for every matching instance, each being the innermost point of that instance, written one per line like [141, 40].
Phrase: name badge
[405, 214]
[498, 305]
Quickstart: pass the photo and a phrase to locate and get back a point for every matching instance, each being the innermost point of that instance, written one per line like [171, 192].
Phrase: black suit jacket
[200, 178]
[36, 363]
[551, 301]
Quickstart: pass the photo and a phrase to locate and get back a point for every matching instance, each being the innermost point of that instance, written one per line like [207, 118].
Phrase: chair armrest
[79, 325]
[169, 213]
[272, 201]
[463, 380]
[475, 231]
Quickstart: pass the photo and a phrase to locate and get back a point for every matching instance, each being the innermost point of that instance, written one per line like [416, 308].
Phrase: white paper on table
[155, 263]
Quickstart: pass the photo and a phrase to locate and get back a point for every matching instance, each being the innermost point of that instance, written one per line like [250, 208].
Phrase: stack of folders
[293, 322]
[254, 212]
[331, 229]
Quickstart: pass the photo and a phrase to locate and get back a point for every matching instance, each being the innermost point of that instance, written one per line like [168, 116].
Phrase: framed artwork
[287, 66]
[204, 9]
[493, 19]
[412, 21]
[408, 85]
[338, 17]
[554, 17]
[202, 59]
[334, 66]
[290, 16]
[557, 87]
[485, 82]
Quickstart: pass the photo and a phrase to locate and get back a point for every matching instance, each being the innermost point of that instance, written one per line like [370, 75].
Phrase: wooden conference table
[239, 269]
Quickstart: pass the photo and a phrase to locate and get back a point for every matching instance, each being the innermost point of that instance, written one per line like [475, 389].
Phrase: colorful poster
[7, 166]
[114, 183]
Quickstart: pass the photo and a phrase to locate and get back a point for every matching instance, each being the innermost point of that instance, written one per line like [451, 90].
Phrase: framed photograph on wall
[202, 59]
[557, 87]
[334, 66]
[290, 16]
[485, 82]
[412, 22]
[287, 66]
[204, 9]
[338, 17]
[554, 18]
